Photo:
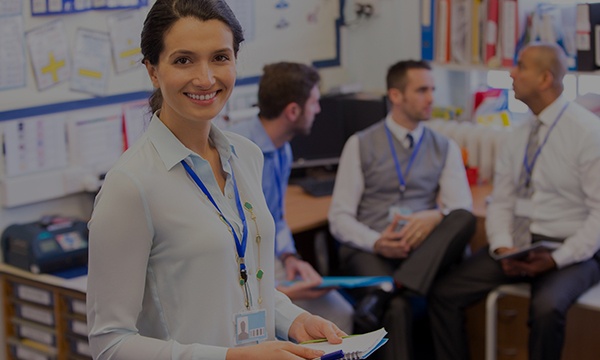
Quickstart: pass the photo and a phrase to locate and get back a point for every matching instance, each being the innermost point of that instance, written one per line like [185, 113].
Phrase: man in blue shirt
[288, 100]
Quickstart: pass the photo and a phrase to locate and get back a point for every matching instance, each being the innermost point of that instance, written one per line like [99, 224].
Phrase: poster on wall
[91, 62]
[10, 7]
[35, 144]
[49, 54]
[12, 53]
[62, 7]
[125, 39]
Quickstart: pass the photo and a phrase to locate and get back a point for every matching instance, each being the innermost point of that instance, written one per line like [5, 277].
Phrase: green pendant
[248, 206]
[242, 282]
[259, 274]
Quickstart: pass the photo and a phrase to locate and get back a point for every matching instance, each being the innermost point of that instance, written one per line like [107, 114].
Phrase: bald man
[545, 188]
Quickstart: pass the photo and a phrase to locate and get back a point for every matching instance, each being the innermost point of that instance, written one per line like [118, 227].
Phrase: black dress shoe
[369, 311]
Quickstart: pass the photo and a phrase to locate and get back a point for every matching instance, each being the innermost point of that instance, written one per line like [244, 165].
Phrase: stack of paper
[362, 345]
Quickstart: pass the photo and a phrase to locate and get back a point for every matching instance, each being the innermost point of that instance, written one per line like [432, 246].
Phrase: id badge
[250, 326]
[400, 210]
[524, 208]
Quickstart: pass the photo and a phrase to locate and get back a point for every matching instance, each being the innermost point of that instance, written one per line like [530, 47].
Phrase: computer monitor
[340, 117]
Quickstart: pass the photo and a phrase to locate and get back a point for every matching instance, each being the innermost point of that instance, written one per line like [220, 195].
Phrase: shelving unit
[43, 320]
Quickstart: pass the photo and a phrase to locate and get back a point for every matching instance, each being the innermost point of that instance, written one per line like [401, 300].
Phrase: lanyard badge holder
[250, 325]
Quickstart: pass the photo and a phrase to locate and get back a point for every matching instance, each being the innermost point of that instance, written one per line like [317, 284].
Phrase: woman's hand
[310, 327]
[272, 350]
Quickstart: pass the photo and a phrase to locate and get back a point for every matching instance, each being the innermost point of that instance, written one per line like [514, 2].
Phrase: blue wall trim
[72, 105]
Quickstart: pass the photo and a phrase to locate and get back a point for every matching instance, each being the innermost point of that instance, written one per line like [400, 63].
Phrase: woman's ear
[152, 73]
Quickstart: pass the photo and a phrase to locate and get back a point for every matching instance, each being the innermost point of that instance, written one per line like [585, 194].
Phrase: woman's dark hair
[162, 16]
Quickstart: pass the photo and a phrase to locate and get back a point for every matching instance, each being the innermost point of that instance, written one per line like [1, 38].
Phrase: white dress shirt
[349, 186]
[163, 277]
[566, 198]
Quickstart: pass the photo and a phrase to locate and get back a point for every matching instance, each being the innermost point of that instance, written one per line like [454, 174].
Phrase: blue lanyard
[278, 161]
[413, 155]
[529, 165]
[240, 246]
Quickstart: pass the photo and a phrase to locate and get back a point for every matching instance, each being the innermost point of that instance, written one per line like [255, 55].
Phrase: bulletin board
[275, 30]
[44, 110]
[305, 31]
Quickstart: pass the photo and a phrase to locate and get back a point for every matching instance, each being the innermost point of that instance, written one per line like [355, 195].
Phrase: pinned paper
[125, 39]
[49, 54]
[91, 62]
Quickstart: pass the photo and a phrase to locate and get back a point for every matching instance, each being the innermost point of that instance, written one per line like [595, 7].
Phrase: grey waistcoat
[381, 180]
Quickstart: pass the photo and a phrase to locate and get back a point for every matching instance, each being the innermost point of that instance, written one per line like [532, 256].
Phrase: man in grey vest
[401, 205]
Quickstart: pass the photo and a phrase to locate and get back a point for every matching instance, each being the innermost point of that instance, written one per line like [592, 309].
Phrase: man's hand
[536, 263]
[388, 245]
[418, 226]
[310, 279]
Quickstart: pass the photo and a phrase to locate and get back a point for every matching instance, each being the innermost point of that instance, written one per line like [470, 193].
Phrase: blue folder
[349, 281]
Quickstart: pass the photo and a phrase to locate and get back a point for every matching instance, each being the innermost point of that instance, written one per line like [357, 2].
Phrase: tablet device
[536, 246]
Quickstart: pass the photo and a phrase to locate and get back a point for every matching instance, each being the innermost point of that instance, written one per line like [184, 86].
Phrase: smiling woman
[175, 277]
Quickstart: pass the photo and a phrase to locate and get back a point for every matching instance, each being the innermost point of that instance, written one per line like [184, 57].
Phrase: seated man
[545, 188]
[385, 209]
[288, 100]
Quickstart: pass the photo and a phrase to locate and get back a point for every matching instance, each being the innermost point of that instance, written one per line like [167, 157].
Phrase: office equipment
[316, 186]
[490, 56]
[350, 281]
[509, 31]
[460, 31]
[354, 347]
[48, 245]
[588, 18]
[536, 246]
[333, 356]
[442, 31]
[427, 29]
[340, 117]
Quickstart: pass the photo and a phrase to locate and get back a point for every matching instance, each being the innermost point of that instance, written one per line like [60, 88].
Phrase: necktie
[521, 232]
[410, 140]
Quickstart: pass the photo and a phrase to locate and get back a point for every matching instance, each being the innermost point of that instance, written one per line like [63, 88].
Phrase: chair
[589, 300]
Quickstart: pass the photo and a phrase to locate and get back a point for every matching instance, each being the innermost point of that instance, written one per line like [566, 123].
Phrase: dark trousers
[442, 249]
[552, 294]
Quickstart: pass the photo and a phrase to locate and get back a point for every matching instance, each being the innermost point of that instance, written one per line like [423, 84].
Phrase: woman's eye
[182, 61]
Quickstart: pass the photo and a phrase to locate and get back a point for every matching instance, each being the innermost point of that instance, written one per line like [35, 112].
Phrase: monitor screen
[340, 117]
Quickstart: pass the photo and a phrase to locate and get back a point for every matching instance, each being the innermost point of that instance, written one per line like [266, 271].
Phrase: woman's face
[195, 71]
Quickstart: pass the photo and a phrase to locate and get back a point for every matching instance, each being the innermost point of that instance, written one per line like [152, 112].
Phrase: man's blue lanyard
[278, 161]
[413, 155]
[529, 165]
[239, 245]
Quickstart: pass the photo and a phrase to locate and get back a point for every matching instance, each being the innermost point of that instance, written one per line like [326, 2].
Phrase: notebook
[349, 281]
[536, 246]
[353, 346]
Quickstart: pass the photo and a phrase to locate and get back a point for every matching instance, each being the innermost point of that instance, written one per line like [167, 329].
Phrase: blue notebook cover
[350, 281]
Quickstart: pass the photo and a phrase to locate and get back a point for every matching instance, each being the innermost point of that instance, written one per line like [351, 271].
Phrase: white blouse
[163, 277]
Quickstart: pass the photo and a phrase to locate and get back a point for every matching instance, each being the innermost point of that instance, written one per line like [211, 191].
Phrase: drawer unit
[42, 321]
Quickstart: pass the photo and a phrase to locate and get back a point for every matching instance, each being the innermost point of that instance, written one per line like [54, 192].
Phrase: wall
[363, 61]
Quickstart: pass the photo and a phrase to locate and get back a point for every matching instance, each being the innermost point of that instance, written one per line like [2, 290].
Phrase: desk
[305, 212]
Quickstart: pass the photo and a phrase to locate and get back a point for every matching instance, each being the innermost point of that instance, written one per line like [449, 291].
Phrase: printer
[51, 244]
